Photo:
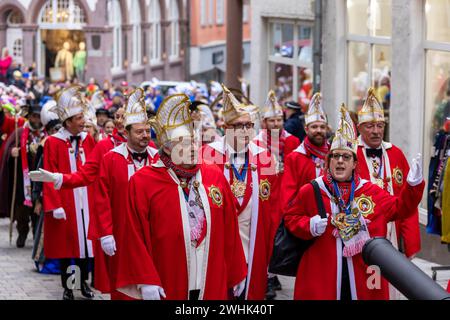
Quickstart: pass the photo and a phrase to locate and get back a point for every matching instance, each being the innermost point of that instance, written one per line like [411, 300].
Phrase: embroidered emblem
[398, 176]
[365, 205]
[215, 195]
[264, 189]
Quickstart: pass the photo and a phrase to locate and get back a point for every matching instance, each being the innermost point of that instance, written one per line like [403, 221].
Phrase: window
[115, 21]
[14, 18]
[245, 10]
[369, 53]
[17, 49]
[65, 13]
[136, 25]
[290, 60]
[174, 18]
[210, 12]
[437, 71]
[202, 13]
[155, 32]
[219, 12]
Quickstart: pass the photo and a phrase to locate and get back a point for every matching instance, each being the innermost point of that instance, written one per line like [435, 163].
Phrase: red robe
[7, 128]
[86, 175]
[408, 228]
[116, 170]
[317, 275]
[299, 169]
[157, 235]
[66, 238]
[261, 239]
[290, 143]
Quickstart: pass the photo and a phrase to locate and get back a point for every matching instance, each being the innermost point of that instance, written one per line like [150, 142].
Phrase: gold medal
[215, 195]
[238, 188]
[365, 205]
[397, 174]
[264, 189]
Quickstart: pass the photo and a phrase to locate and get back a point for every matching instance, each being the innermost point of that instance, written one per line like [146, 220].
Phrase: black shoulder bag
[287, 248]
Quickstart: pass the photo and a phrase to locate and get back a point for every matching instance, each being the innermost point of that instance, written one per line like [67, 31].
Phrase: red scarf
[344, 187]
[179, 170]
[319, 152]
[117, 138]
[279, 147]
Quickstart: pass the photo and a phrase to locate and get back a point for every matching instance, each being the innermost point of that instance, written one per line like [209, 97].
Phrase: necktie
[77, 139]
[374, 153]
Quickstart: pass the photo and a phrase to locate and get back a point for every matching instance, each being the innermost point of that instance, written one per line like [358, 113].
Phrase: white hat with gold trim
[345, 137]
[69, 102]
[271, 107]
[372, 110]
[233, 109]
[135, 111]
[173, 119]
[315, 110]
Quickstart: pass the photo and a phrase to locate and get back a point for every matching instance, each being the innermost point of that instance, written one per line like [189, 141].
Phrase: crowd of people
[179, 194]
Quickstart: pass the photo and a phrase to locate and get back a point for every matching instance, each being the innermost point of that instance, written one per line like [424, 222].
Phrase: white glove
[317, 225]
[59, 214]
[239, 288]
[42, 175]
[150, 292]
[415, 175]
[108, 245]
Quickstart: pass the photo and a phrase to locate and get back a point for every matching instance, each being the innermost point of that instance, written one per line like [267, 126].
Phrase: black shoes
[68, 294]
[276, 283]
[273, 284]
[21, 239]
[86, 291]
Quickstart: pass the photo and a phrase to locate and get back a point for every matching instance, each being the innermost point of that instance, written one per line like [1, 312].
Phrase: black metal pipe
[400, 272]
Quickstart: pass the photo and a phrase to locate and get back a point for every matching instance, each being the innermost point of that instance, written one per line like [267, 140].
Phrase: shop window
[290, 60]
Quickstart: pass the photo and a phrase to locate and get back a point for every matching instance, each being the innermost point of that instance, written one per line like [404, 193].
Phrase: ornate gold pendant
[238, 188]
[380, 183]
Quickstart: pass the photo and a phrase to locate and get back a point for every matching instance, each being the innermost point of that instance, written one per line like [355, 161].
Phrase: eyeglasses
[346, 157]
[248, 125]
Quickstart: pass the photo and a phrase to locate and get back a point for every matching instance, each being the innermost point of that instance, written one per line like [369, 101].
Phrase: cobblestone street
[19, 279]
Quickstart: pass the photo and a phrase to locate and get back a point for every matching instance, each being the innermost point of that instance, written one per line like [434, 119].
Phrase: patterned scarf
[117, 137]
[277, 149]
[197, 219]
[351, 227]
[319, 152]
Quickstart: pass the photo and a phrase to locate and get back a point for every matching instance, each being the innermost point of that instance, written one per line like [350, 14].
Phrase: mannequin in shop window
[79, 62]
[64, 59]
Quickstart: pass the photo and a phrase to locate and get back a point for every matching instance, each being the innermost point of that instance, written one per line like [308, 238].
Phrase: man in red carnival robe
[251, 173]
[181, 235]
[67, 213]
[280, 144]
[307, 162]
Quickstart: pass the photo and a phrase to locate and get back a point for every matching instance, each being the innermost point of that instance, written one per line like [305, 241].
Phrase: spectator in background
[5, 63]
[109, 126]
[10, 73]
[295, 123]
[17, 80]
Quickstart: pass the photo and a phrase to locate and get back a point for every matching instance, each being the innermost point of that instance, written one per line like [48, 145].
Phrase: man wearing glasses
[333, 268]
[251, 173]
[386, 166]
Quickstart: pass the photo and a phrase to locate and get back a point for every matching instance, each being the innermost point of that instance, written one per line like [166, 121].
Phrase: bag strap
[319, 201]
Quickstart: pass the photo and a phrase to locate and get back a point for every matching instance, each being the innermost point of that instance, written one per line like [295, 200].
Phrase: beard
[317, 139]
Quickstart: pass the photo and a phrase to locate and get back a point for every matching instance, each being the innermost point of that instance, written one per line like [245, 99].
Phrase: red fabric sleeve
[88, 173]
[102, 200]
[297, 215]
[136, 265]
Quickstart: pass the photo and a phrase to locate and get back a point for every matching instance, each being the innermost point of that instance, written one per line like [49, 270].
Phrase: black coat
[295, 125]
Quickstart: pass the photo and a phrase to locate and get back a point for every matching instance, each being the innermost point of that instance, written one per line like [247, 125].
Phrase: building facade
[400, 47]
[208, 26]
[132, 40]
